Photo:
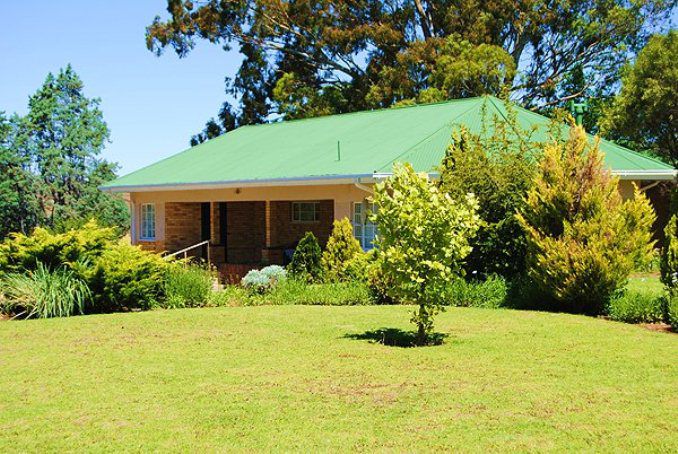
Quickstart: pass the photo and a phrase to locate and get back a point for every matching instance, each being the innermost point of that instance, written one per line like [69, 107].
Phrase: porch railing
[186, 250]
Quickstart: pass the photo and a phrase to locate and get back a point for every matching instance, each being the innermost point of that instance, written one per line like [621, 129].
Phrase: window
[363, 229]
[147, 221]
[305, 211]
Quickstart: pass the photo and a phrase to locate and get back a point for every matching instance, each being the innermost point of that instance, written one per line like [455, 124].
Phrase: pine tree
[305, 263]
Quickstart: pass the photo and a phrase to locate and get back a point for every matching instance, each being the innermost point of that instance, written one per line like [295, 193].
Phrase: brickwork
[182, 225]
[152, 246]
[246, 231]
[286, 233]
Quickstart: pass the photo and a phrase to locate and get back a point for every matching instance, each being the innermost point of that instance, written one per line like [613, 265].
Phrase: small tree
[305, 263]
[423, 238]
[342, 248]
[583, 239]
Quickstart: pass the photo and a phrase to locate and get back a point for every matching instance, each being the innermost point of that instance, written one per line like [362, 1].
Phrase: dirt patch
[659, 327]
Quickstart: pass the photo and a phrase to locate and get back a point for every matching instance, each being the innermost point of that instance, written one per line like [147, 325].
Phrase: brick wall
[182, 225]
[246, 231]
[152, 246]
[286, 233]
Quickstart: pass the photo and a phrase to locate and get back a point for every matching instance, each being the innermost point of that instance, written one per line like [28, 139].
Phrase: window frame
[316, 212]
[144, 217]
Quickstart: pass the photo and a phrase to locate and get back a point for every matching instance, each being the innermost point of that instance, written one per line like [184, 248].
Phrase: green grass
[298, 378]
[646, 282]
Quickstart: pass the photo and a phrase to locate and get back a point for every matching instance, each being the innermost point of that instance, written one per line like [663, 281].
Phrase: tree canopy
[51, 169]
[330, 56]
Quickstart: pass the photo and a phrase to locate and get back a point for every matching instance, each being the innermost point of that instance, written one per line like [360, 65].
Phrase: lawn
[306, 378]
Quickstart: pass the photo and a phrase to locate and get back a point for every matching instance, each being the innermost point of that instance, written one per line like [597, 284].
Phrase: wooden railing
[185, 250]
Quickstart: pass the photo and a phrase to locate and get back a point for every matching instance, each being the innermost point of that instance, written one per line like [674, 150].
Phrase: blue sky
[151, 104]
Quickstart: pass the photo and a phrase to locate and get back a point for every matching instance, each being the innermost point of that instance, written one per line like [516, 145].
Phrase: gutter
[357, 180]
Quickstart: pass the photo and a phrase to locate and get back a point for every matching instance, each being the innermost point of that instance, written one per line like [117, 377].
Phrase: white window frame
[364, 230]
[304, 207]
[147, 214]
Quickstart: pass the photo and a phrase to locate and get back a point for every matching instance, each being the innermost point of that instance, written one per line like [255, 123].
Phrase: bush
[637, 307]
[187, 286]
[583, 239]
[293, 291]
[340, 252]
[261, 281]
[43, 293]
[127, 277]
[490, 293]
[230, 295]
[305, 263]
[669, 256]
[672, 311]
[20, 252]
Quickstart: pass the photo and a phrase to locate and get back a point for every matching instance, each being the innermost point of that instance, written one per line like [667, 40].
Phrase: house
[253, 192]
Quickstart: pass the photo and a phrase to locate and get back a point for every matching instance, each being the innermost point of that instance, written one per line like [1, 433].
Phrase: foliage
[498, 167]
[187, 286]
[126, 277]
[51, 165]
[262, 281]
[340, 252]
[70, 249]
[669, 256]
[490, 293]
[637, 307]
[583, 240]
[306, 261]
[44, 293]
[672, 311]
[305, 59]
[423, 239]
[643, 114]
[292, 291]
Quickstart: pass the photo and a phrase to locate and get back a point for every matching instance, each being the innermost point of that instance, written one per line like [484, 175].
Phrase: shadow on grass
[395, 337]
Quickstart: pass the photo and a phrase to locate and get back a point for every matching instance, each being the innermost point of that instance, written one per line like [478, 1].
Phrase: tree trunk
[421, 331]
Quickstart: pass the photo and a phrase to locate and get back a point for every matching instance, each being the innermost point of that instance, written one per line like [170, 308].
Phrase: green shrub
[294, 291]
[44, 293]
[187, 286]
[378, 282]
[305, 263]
[230, 295]
[20, 252]
[127, 277]
[583, 239]
[340, 252]
[490, 293]
[669, 256]
[637, 307]
[672, 311]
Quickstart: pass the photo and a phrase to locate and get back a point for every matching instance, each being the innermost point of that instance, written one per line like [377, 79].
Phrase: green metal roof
[359, 144]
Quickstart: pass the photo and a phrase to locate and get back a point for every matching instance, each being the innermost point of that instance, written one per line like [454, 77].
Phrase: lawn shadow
[395, 337]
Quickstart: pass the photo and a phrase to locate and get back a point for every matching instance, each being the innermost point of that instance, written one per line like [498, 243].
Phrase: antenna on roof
[338, 151]
[577, 109]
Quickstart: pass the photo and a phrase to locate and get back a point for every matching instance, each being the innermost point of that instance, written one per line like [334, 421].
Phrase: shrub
[423, 239]
[637, 307]
[261, 281]
[230, 295]
[340, 252]
[305, 263]
[294, 291]
[20, 252]
[669, 256]
[583, 240]
[498, 168]
[44, 293]
[187, 286]
[490, 293]
[672, 311]
[127, 277]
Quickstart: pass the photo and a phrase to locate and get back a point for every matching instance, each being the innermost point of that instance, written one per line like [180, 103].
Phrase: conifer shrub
[306, 261]
[583, 239]
[669, 255]
[339, 258]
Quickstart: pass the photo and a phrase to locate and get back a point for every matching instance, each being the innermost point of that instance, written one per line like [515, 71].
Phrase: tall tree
[645, 113]
[19, 207]
[307, 58]
[53, 163]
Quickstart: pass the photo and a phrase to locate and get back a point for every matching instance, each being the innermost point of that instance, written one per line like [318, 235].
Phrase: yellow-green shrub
[340, 252]
[669, 256]
[126, 277]
[583, 239]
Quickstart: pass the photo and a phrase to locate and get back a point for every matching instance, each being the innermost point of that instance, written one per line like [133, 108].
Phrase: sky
[152, 104]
